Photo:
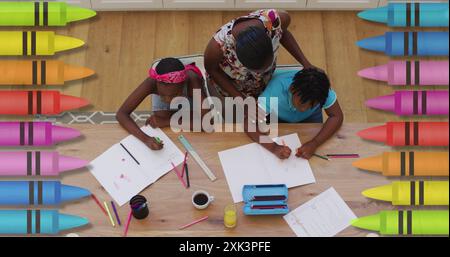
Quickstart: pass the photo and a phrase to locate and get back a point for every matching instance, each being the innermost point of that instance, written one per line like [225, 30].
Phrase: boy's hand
[281, 151]
[156, 122]
[153, 144]
[307, 150]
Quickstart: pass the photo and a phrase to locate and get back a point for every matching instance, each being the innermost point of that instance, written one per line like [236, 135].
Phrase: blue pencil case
[265, 199]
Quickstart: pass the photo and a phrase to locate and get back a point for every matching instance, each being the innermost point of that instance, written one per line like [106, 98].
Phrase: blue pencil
[115, 212]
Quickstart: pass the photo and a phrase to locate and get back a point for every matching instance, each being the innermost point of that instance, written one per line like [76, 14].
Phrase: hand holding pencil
[307, 150]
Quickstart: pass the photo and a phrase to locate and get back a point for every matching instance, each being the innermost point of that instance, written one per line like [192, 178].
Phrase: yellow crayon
[32, 43]
[411, 193]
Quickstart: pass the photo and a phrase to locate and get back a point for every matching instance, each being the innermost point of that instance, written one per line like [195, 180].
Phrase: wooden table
[170, 203]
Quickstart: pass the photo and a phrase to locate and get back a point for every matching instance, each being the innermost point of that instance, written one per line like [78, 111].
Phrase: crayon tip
[70, 163]
[75, 13]
[376, 73]
[72, 193]
[385, 103]
[382, 193]
[71, 102]
[368, 222]
[71, 221]
[377, 43]
[60, 134]
[377, 15]
[374, 163]
[63, 43]
[377, 133]
[72, 72]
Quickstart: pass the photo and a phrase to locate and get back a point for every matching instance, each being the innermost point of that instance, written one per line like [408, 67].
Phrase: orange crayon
[407, 164]
[37, 102]
[44, 72]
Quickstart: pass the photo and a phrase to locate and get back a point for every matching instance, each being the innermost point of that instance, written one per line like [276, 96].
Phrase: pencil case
[265, 199]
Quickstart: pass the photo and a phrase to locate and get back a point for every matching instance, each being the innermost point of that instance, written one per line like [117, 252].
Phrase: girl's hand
[281, 151]
[307, 150]
[156, 122]
[153, 144]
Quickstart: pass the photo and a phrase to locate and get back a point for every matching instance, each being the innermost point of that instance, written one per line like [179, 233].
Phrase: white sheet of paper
[122, 177]
[251, 164]
[323, 216]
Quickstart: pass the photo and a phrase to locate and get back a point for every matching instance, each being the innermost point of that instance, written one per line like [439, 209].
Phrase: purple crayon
[34, 134]
[25, 163]
[412, 102]
[423, 73]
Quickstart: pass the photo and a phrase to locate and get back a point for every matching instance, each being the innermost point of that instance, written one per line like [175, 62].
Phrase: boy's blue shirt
[279, 87]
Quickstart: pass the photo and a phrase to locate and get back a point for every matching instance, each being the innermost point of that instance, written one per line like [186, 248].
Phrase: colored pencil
[128, 223]
[268, 207]
[194, 222]
[343, 156]
[178, 175]
[115, 212]
[99, 204]
[129, 153]
[321, 157]
[184, 162]
[187, 175]
[109, 214]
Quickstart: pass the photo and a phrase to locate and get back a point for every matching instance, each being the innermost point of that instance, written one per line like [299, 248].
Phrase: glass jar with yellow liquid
[230, 216]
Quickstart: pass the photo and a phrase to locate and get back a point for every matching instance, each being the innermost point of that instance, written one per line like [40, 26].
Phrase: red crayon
[409, 133]
[37, 102]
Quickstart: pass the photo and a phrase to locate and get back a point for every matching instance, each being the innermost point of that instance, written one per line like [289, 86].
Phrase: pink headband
[171, 77]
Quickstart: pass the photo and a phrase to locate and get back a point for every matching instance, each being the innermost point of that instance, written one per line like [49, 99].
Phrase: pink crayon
[34, 134]
[412, 102]
[423, 73]
[25, 163]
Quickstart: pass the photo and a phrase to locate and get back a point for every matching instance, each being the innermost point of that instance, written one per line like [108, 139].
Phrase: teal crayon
[24, 193]
[14, 222]
[409, 14]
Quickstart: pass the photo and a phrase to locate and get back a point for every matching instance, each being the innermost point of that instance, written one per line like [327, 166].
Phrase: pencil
[178, 175]
[99, 204]
[187, 175]
[109, 214]
[321, 157]
[115, 212]
[129, 153]
[184, 162]
[128, 223]
[194, 222]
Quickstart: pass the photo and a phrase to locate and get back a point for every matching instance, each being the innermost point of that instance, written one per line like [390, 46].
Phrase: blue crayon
[409, 14]
[408, 43]
[37, 222]
[19, 193]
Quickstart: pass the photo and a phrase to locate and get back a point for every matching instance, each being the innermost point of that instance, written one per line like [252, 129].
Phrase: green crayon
[41, 13]
[423, 222]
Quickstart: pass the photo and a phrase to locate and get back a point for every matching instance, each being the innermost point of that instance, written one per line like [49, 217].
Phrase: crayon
[408, 43]
[411, 193]
[34, 193]
[38, 102]
[407, 163]
[408, 133]
[41, 13]
[409, 14]
[412, 102]
[28, 163]
[33, 43]
[405, 222]
[38, 222]
[17, 133]
[42, 73]
[420, 73]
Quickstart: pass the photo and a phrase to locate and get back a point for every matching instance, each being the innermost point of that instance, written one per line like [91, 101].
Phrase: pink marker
[34, 134]
[412, 102]
[423, 73]
[37, 163]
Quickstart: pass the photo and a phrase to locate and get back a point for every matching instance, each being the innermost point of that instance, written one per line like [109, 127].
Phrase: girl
[169, 79]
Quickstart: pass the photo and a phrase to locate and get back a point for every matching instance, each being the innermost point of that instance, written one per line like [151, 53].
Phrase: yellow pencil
[109, 214]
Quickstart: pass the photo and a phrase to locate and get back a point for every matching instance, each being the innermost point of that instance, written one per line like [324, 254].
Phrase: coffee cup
[201, 199]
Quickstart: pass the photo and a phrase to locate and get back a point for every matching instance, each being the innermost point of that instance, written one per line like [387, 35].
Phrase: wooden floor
[121, 45]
